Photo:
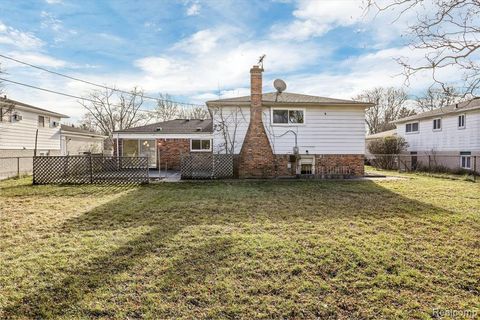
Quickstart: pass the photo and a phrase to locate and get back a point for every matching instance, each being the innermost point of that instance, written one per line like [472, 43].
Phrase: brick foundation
[354, 163]
[325, 164]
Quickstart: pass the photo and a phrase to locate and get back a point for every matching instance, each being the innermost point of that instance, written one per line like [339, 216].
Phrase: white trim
[464, 115]
[433, 124]
[201, 150]
[411, 123]
[288, 110]
[153, 135]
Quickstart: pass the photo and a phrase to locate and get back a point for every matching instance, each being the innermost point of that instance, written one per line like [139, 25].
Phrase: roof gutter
[272, 103]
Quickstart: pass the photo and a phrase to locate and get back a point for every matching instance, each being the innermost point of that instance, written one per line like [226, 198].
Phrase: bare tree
[2, 88]
[166, 109]
[448, 31]
[437, 98]
[389, 105]
[197, 113]
[226, 122]
[110, 110]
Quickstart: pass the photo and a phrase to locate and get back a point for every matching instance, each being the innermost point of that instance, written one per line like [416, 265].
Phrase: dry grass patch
[316, 249]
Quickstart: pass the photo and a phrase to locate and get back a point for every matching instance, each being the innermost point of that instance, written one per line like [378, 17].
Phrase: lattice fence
[207, 166]
[89, 169]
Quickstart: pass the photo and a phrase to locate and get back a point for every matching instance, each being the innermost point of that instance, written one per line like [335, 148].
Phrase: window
[465, 160]
[43, 121]
[411, 127]
[285, 116]
[306, 168]
[200, 145]
[461, 121]
[437, 124]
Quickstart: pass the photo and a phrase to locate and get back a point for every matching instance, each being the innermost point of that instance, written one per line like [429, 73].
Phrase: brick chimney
[256, 156]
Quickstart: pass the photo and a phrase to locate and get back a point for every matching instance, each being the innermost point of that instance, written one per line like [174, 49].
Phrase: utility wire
[63, 94]
[93, 83]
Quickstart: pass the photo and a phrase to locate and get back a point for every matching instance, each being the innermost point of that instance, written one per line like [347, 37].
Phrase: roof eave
[273, 103]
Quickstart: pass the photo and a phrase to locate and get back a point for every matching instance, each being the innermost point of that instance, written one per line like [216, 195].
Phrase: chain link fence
[464, 164]
[11, 167]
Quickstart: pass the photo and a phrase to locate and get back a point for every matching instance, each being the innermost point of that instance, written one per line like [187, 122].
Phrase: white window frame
[464, 121]
[433, 124]
[46, 121]
[411, 126]
[200, 150]
[467, 158]
[288, 110]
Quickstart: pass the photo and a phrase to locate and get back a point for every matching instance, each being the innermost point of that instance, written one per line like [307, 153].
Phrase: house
[448, 136]
[286, 134]
[272, 134]
[77, 141]
[164, 143]
[19, 123]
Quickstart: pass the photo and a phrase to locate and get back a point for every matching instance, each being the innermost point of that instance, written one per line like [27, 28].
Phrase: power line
[93, 83]
[62, 93]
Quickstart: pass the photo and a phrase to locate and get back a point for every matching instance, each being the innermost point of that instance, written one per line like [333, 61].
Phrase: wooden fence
[207, 166]
[89, 169]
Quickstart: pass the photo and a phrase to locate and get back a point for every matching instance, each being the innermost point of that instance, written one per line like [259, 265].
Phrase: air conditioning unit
[16, 117]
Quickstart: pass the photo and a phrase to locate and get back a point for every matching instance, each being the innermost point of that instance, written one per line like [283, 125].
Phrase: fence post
[91, 168]
[18, 167]
[429, 164]
[474, 168]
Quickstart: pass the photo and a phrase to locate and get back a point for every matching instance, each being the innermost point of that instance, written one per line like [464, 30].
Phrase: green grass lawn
[275, 249]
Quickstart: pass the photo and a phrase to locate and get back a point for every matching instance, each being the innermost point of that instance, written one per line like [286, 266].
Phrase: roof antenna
[260, 60]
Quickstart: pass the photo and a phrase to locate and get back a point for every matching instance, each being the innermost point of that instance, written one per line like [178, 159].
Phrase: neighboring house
[376, 136]
[284, 134]
[164, 143]
[19, 123]
[449, 135]
[75, 141]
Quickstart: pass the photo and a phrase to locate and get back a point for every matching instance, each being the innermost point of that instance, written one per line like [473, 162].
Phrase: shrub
[386, 150]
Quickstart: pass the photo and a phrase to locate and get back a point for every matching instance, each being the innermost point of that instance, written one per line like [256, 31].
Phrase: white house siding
[327, 130]
[449, 140]
[20, 135]
[75, 145]
[236, 120]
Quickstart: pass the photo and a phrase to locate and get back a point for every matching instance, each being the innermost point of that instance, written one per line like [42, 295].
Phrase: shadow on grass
[168, 208]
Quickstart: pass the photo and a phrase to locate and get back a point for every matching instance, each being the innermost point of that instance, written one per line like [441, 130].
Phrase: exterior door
[148, 149]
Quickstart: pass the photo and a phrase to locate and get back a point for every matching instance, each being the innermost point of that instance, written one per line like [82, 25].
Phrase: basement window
[466, 160]
[200, 145]
[288, 116]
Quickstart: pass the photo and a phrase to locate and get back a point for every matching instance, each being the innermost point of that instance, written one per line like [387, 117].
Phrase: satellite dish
[280, 85]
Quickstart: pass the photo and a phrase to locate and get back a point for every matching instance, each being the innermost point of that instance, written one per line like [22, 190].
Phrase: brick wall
[256, 156]
[353, 162]
[171, 151]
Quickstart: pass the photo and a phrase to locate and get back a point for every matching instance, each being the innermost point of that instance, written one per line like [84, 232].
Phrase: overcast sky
[199, 50]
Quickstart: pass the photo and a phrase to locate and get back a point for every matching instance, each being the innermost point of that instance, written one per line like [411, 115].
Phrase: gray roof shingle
[287, 97]
[70, 129]
[453, 108]
[177, 126]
